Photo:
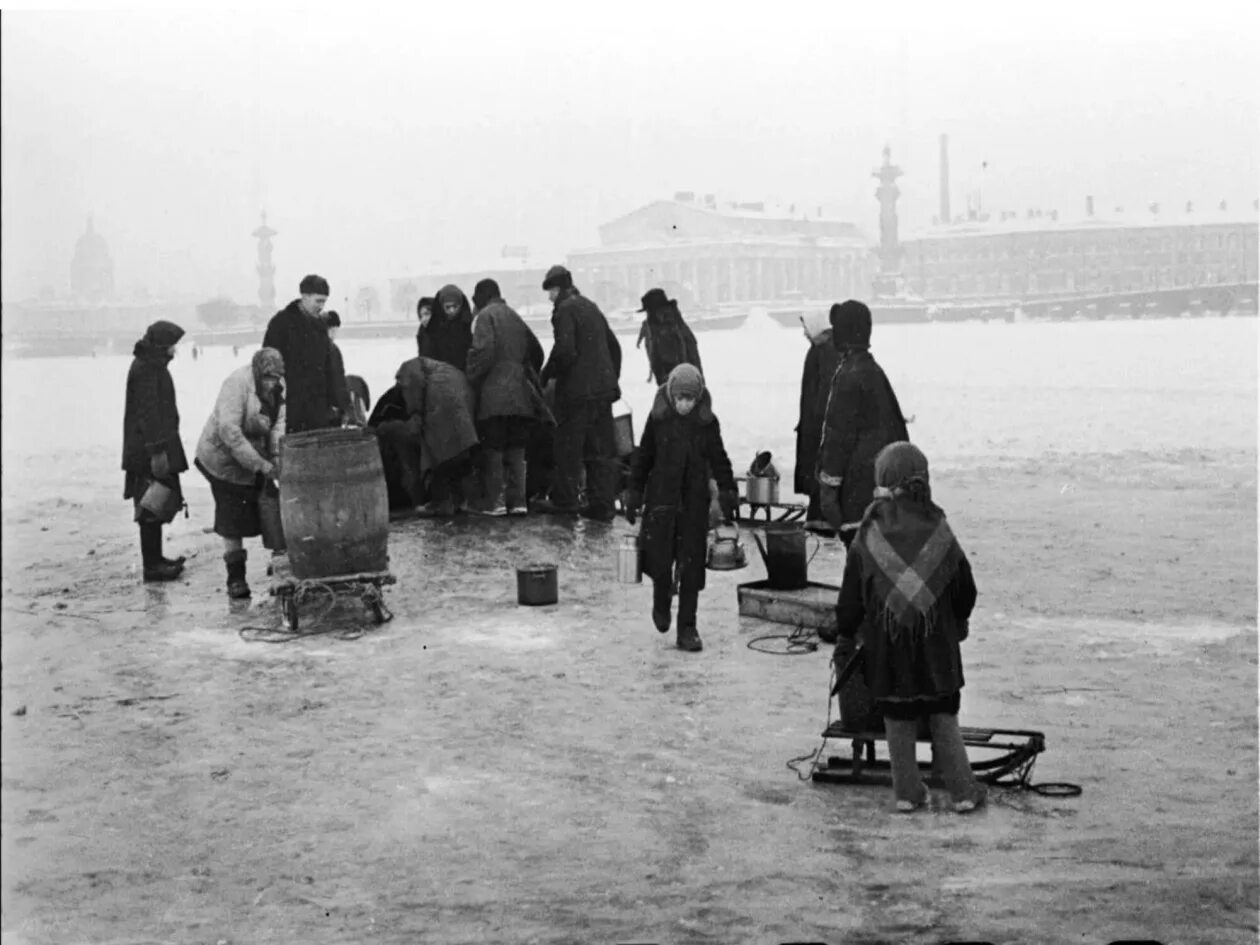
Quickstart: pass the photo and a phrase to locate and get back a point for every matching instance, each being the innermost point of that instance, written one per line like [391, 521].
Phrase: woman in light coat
[237, 453]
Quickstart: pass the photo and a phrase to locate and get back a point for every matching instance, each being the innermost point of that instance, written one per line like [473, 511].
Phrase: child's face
[684, 405]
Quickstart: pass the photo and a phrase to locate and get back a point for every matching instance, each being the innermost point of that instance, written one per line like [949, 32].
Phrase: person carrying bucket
[669, 481]
[908, 592]
[152, 454]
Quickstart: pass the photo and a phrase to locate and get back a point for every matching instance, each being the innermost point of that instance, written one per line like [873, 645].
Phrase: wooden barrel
[333, 503]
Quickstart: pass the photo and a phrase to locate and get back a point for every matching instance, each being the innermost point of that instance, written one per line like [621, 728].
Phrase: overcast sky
[382, 144]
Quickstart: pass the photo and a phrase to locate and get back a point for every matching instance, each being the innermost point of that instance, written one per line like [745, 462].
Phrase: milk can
[629, 560]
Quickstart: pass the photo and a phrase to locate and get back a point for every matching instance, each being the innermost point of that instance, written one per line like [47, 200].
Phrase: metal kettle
[725, 553]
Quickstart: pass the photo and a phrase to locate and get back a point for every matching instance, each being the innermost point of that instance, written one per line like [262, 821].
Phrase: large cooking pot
[762, 490]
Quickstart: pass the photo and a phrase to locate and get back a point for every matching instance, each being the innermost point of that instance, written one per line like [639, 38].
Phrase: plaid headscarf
[908, 549]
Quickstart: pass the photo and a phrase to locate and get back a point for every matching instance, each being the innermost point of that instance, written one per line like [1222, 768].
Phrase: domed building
[91, 269]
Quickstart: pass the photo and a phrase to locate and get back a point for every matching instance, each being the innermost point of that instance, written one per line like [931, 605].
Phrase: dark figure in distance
[669, 341]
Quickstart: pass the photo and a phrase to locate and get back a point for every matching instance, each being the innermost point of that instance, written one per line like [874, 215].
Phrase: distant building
[520, 286]
[704, 254]
[91, 268]
[1038, 255]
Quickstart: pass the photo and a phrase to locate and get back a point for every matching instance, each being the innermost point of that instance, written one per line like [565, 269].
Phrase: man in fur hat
[863, 416]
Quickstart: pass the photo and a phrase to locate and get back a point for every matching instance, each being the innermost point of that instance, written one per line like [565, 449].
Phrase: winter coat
[239, 439]
[341, 388]
[821, 362]
[503, 363]
[586, 357]
[862, 417]
[669, 343]
[913, 665]
[440, 403]
[392, 406]
[677, 457]
[150, 416]
[314, 388]
[447, 339]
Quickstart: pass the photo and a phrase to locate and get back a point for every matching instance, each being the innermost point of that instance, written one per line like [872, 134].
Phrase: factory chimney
[945, 179]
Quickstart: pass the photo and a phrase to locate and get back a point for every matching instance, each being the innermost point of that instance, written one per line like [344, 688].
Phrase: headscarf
[451, 293]
[907, 547]
[684, 381]
[428, 302]
[158, 337]
[268, 362]
[816, 322]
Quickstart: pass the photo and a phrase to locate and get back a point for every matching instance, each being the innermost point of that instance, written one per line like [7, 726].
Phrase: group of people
[456, 432]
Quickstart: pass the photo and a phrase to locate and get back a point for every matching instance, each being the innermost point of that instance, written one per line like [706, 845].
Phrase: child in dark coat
[909, 592]
[681, 450]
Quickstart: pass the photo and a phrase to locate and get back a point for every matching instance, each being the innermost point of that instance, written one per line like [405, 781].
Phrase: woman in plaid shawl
[908, 590]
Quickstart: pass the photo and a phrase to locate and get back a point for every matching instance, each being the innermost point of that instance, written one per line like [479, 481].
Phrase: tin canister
[630, 560]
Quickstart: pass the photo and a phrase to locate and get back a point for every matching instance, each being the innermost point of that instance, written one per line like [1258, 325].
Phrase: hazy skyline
[382, 146]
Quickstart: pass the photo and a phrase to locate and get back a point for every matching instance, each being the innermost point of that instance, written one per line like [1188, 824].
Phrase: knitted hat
[851, 325]
[268, 362]
[558, 278]
[313, 285]
[685, 381]
[653, 300]
[163, 334]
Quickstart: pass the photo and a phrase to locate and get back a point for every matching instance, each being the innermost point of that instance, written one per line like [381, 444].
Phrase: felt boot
[514, 473]
[492, 480]
[688, 639]
[237, 587]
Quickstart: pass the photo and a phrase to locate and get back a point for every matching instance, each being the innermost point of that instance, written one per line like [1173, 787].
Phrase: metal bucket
[762, 490]
[623, 429]
[536, 585]
[787, 567]
[630, 560]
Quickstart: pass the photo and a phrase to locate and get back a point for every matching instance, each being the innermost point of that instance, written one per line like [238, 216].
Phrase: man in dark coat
[586, 364]
[669, 341]
[680, 450]
[448, 334]
[821, 362]
[862, 417]
[503, 365]
[314, 390]
[152, 450]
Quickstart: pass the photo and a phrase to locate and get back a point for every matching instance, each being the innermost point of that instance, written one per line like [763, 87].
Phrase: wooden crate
[812, 606]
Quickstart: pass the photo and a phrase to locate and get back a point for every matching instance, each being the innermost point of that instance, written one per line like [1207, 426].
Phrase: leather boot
[688, 639]
[492, 480]
[237, 587]
[157, 568]
[514, 472]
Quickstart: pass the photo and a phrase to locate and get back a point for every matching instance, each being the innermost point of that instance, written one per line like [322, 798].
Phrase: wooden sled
[367, 586]
[998, 756]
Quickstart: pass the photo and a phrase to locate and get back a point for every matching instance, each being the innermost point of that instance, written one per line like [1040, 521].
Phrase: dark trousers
[504, 433]
[585, 437]
[688, 598]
